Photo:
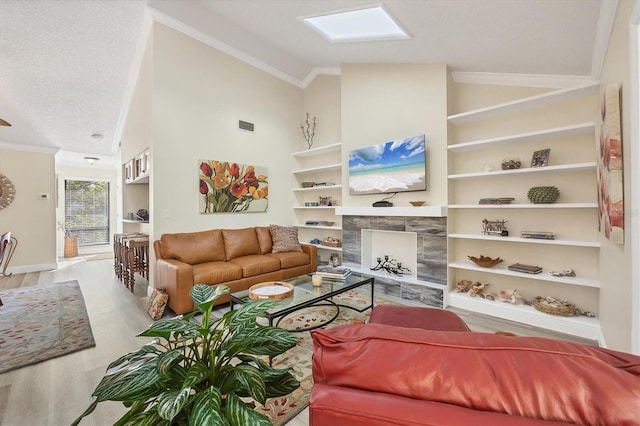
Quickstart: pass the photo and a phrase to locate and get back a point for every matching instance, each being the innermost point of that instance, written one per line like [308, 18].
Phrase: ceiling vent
[245, 125]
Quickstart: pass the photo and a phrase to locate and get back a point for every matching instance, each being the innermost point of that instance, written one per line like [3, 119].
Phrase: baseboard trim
[31, 268]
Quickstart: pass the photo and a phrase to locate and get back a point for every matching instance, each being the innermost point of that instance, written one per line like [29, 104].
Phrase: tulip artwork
[232, 188]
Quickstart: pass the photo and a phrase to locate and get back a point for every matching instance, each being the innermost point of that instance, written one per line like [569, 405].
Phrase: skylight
[373, 23]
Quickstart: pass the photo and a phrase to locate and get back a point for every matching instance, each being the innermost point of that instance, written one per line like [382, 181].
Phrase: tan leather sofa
[238, 258]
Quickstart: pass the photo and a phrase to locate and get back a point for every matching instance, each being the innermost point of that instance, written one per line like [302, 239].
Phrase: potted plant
[201, 374]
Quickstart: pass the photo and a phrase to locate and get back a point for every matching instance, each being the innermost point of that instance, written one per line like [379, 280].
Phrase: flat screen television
[395, 166]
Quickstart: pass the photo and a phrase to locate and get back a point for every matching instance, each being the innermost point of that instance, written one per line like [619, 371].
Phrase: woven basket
[332, 242]
[567, 310]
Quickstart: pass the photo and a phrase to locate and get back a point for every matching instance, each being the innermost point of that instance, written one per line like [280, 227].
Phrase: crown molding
[525, 80]
[320, 71]
[180, 26]
[604, 28]
[30, 148]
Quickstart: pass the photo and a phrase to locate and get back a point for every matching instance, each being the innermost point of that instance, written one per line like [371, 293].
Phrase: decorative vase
[543, 194]
[70, 247]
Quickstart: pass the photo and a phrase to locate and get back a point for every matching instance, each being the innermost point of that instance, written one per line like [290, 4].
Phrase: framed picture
[540, 158]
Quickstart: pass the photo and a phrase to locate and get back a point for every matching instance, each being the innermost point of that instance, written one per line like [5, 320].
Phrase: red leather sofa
[396, 371]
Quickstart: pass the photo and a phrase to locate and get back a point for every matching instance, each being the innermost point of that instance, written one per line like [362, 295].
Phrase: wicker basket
[566, 310]
[331, 242]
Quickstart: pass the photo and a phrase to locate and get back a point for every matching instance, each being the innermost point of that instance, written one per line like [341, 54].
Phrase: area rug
[283, 409]
[42, 322]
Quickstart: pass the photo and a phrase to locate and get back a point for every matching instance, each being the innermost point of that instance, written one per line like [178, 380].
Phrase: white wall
[382, 102]
[30, 219]
[199, 94]
[615, 260]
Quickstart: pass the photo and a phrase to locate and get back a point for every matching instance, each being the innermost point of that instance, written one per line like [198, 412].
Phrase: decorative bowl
[485, 261]
[416, 203]
[329, 223]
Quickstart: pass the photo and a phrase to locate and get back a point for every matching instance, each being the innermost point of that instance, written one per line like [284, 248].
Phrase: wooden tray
[270, 290]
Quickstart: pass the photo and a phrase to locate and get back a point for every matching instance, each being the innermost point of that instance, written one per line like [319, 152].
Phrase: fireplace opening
[399, 246]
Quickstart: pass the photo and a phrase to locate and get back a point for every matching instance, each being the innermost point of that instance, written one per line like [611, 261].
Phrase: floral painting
[232, 188]
[609, 171]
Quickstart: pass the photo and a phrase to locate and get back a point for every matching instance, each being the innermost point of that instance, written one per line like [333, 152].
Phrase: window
[86, 211]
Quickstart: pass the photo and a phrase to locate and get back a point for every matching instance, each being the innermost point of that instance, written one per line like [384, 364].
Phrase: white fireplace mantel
[425, 211]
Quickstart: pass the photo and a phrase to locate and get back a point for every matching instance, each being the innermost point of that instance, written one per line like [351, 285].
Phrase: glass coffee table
[306, 295]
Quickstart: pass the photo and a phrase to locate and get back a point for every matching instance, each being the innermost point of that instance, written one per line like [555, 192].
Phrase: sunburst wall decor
[7, 191]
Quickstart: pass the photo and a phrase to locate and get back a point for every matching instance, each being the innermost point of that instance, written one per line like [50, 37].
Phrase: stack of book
[496, 200]
[519, 267]
[541, 235]
[333, 273]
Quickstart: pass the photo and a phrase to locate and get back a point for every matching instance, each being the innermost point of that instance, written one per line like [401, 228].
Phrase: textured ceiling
[67, 67]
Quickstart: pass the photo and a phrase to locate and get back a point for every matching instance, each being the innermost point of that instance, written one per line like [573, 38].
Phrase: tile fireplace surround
[426, 284]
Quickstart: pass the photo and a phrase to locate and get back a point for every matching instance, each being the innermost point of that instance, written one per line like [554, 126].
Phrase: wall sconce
[91, 160]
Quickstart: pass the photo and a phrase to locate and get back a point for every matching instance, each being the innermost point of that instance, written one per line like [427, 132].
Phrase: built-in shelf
[318, 188]
[543, 276]
[526, 103]
[313, 207]
[557, 132]
[582, 326]
[337, 228]
[319, 169]
[574, 243]
[425, 211]
[526, 206]
[321, 247]
[546, 169]
[134, 221]
[318, 151]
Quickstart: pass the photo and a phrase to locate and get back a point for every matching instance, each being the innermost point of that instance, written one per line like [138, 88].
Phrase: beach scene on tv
[394, 166]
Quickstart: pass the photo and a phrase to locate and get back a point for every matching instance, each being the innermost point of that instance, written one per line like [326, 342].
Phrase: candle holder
[390, 265]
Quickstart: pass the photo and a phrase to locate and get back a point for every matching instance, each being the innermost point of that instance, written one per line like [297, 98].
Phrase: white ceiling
[68, 67]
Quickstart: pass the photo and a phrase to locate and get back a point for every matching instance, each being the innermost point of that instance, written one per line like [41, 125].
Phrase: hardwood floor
[56, 391]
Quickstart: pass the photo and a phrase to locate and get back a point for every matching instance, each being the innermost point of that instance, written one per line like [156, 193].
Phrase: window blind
[87, 211]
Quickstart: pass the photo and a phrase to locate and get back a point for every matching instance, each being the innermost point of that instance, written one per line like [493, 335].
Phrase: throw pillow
[285, 238]
[157, 303]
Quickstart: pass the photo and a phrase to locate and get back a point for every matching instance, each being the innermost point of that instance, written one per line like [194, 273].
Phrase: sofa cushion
[523, 376]
[256, 264]
[417, 317]
[291, 259]
[193, 247]
[240, 242]
[264, 239]
[285, 238]
[215, 273]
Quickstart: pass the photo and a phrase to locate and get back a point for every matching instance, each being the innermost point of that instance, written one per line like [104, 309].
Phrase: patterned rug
[42, 322]
[281, 410]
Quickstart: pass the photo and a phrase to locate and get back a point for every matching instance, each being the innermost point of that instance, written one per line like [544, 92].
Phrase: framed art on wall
[227, 187]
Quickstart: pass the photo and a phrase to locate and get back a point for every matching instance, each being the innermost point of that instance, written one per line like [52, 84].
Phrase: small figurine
[477, 288]
[463, 286]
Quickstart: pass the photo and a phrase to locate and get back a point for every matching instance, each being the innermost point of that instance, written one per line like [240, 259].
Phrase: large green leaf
[168, 360]
[196, 374]
[149, 418]
[172, 402]
[139, 383]
[248, 312]
[269, 341]
[281, 385]
[240, 414]
[203, 295]
[164, 328]
[206, 409]
[251, 380]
